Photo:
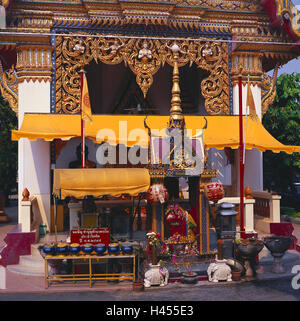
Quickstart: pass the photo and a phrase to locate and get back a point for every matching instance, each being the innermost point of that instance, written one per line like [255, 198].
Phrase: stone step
[26, 270]
[31, 261]
[35, 251]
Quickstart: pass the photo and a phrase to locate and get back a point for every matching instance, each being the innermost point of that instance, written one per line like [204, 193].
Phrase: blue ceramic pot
[100, 248]
[49, 249]
[87, 248]
[74, 248]
[61, 248]
[127, 249]
[113, 248]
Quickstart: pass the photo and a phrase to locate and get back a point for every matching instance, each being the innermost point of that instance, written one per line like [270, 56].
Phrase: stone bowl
[277, 245]
[249, 249]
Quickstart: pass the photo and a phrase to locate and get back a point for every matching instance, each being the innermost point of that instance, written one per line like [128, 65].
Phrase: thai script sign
[92, 236]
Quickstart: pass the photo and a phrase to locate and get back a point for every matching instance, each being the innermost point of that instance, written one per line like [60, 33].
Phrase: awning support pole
[55, 217]
[241, 149]
[82, 123]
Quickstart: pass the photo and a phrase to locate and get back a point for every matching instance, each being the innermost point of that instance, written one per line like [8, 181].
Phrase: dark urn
[248, 250]
[277, 245]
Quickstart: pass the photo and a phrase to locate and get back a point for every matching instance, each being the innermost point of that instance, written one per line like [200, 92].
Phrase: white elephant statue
[157, 275]
[219, 271]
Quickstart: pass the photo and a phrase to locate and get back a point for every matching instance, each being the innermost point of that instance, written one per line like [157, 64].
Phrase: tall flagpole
[82, 123]
[241, 145]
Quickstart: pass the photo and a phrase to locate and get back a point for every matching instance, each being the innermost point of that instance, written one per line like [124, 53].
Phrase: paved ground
[280, 290]
[268, 286]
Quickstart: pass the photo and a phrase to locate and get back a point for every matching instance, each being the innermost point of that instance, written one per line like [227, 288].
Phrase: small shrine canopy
[221, 131]
[99, 182]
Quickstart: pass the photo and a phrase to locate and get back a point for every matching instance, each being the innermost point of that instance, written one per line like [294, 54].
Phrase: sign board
[91, 236]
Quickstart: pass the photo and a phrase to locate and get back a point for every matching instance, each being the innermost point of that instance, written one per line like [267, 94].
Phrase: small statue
[219, 271]
[145, 54]
[207, 50]
[79, 47]
[157, 275]
[77, 162]
[114, 47]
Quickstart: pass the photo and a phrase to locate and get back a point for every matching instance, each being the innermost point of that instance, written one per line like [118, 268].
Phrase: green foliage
[8, 148]
[282, 120]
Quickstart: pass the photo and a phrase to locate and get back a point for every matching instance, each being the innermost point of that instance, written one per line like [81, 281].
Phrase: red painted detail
[284, 229]
[91, 236]
[271, 8]
[18, 243]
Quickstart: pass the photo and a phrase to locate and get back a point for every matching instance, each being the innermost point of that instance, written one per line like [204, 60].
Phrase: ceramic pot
[87, 248]
[214, 191]
[100, 248]
[236, 275]
[189, 278]
[113, 248]
[127, 249]
[61, 248]
[49, 249]
[74, 248]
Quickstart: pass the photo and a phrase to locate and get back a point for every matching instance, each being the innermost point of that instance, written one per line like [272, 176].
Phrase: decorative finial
[176, 116]
[25, 195]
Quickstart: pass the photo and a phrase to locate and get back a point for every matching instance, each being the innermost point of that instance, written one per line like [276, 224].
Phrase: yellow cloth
[86, 112]
[100, 181]
[251, 104]
[221, 132]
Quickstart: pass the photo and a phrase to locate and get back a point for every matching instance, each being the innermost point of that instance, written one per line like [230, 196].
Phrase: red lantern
[214, 191]
[157, 193]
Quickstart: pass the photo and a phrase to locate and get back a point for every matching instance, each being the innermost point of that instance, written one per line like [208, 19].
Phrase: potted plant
[236, 273]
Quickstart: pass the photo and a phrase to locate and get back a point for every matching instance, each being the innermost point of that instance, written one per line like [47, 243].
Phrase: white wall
[34, 156]
[218, 160]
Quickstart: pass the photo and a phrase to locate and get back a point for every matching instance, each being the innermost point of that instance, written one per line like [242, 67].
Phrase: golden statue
[145, 54]
[77, 162]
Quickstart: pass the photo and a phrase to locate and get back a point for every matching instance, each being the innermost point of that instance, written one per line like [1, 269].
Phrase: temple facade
[124, 46]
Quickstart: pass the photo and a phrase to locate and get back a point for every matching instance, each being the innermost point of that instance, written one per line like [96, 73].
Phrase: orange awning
[99, 182]
[221, 131]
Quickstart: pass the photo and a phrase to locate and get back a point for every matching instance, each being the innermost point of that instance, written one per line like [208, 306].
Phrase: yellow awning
[222, 131]
[100, 181]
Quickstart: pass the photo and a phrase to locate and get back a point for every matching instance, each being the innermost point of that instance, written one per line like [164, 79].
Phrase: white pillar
[34, 156]
[249, 215]
[275, 208]
[25, 218]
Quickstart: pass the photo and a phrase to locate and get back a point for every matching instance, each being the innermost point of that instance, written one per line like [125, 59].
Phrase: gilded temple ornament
[9, 86]
[145, 54]
[268, 90]
[144, 57]
[206, 51]
[79, 47]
